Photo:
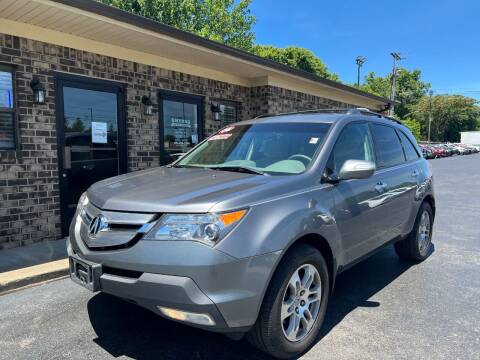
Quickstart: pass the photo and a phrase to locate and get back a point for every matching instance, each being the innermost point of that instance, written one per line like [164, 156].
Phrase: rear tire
[294, 306]
[418, 244]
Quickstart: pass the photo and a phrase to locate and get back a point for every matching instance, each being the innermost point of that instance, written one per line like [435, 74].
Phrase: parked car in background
[245, 233]
[449, 151]
[438, 151]
[427, 151]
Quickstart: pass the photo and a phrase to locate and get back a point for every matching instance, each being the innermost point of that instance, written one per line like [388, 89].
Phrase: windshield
[274, 149]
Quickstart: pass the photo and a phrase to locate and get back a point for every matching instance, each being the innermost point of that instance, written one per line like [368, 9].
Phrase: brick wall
[29, 192]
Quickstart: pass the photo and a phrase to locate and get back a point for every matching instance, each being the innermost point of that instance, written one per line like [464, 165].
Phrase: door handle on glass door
[67, 157]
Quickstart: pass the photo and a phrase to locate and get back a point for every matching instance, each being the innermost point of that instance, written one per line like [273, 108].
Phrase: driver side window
[354, 143]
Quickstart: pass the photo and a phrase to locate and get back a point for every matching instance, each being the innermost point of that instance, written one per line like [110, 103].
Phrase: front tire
[418, 244]
[294, 306]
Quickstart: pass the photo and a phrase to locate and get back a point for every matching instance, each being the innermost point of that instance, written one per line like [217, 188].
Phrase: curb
[15, 279]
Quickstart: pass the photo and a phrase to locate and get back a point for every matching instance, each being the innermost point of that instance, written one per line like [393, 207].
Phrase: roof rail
[334, 110]
[365, 111]
[348, 111]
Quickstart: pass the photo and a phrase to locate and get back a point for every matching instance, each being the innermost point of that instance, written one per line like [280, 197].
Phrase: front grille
[118, 230]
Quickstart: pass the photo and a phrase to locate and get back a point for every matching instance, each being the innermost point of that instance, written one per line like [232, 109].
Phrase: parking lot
[381, 309]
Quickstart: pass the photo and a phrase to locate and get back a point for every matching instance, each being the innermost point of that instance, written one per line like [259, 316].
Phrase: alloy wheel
[423, 234]
[301, 302]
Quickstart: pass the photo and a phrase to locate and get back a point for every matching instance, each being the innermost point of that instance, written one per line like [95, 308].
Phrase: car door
[396, 181]
[356, 212]
[413, 177]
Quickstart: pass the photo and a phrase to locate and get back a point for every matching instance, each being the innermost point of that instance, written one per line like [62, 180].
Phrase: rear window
[410, 151]
[388, 149]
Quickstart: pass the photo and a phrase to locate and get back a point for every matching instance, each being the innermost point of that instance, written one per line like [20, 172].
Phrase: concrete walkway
[28, 265]
[30, 255]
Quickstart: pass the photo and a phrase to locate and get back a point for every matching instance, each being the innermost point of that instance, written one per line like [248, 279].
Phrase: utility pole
[396, 57]
[430, 93]
[360, 60]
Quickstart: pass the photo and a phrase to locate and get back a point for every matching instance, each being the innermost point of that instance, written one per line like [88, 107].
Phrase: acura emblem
[98, 223]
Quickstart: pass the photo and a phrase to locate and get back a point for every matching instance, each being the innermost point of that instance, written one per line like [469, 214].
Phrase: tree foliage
[226, 21]
[451, 114]
[414, 126]
[296, 57]
[409, 89]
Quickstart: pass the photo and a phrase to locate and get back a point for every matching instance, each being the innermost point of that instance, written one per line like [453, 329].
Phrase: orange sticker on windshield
[226, 130]
[220, 137]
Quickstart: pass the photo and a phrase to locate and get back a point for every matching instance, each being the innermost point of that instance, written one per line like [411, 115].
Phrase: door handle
[67, 157]
[88, 167]
[414, 173]
[381, 187]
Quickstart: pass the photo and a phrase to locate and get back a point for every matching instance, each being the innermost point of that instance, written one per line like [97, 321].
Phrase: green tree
[414, 126]
[226, 21]
[77, 126]
[295, 57]
[409, 89]
[451, 114]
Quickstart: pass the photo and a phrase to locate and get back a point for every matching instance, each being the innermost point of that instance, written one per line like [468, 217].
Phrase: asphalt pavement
[382, 308]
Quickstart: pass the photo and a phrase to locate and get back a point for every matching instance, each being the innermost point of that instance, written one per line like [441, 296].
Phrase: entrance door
[91, 137]
[181, 125]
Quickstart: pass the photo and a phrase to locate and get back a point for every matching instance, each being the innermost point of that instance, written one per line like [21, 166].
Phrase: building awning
[92, 26]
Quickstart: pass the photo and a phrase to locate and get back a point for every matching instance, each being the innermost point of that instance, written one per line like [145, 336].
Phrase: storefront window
[7, 109]
[180, 127]
[228, 113]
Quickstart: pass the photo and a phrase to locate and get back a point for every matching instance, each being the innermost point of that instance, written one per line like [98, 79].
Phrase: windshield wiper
[241, 169]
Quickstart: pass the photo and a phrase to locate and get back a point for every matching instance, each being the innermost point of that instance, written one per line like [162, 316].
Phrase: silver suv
[245, 233]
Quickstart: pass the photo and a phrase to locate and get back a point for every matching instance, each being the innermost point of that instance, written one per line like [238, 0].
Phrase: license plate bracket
[85, 273]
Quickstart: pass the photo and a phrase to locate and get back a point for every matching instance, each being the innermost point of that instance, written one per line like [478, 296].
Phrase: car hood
[168, 189]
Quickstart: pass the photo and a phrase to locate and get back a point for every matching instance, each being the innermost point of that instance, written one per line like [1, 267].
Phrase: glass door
[180, 124]
[91, 139]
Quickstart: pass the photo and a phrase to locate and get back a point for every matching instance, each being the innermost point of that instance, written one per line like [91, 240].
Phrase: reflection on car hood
[166, 189]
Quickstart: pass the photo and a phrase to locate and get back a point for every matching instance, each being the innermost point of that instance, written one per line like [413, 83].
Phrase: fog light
[200, 319]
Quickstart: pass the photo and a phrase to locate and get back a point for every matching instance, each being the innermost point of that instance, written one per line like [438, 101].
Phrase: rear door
[414, 175]
[396, 181]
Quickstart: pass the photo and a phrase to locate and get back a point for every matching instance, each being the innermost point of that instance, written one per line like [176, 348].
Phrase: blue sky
[439, 37]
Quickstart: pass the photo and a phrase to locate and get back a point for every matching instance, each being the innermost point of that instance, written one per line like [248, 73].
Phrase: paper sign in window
[99, 132]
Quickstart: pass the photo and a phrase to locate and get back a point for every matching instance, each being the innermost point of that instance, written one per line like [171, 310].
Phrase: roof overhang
[92, 26]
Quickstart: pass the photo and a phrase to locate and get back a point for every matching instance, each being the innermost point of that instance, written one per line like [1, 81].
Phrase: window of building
[228, 113]
[388, 149]
[408, 147]
[7, 109]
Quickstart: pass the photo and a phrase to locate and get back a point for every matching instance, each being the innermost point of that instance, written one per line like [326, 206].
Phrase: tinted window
[228, 113]
[388, 149]
[353, 144]
[410, 151]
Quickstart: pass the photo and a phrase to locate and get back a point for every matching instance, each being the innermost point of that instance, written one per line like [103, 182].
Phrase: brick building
[122, 93]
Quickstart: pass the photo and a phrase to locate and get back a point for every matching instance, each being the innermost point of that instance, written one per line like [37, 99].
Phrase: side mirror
[356, 169]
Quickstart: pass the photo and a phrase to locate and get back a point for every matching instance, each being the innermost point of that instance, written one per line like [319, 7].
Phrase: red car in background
[439, 151]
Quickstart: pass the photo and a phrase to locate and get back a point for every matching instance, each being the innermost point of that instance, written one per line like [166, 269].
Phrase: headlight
[205, 228]
[83, 201]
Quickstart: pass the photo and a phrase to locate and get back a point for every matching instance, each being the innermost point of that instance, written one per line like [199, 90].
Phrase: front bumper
[183, 275]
